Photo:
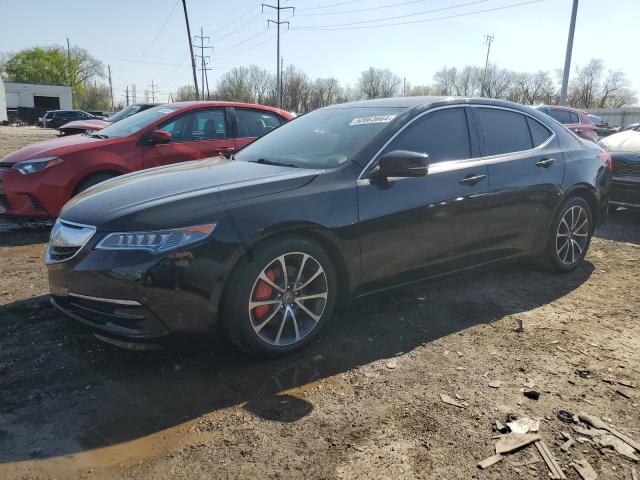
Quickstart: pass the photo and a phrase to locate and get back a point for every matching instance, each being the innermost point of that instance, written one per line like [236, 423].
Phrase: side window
[443, 135]
[574, 117]
[255, 123]
[198, 125]
[539, 133]
[504, 131]
[563, 116]
[72, 114]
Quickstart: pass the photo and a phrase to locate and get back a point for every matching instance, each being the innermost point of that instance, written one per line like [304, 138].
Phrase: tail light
[607, 160]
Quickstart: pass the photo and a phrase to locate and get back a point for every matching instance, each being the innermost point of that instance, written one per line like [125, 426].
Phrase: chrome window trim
[131, 303]
[450, 165]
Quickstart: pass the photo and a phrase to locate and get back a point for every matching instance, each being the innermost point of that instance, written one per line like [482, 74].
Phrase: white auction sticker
[368, 120]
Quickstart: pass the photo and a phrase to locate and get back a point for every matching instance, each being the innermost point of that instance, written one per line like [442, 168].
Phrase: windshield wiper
[97, 135]
[265, 161]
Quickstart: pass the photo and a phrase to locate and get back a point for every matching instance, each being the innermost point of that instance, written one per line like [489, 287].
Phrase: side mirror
[160, 136]
[402, 163]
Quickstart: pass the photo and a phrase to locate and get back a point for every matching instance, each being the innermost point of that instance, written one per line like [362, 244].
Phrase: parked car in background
[344, 201]
[93, 124]
[39, 179]
[624, 148]
[575, 120]
[633, 126]
[603, 129]
[56, 118]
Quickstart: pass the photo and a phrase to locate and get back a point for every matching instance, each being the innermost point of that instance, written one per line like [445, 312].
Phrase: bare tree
[379, 83]
[584, 89]
[296, 89]
[324, 91]
[615, 82]
[185, 93]
[444, 81]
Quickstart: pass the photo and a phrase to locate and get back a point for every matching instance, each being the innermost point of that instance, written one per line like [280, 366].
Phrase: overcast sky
[146, 40]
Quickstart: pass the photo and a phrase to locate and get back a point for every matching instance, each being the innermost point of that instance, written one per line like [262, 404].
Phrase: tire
[92, 180]
[286, 323]
[570, 235]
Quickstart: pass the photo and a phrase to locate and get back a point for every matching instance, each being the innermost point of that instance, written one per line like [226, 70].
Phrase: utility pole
[146, 96]
[193, 59]
[277, 23]
[488, 39]
[152, 91]
[404, 86]
[281, 80]
[133, 93]
[203, 60]
[567, 57]
[111, 88]
[69, 81]
[126, 94]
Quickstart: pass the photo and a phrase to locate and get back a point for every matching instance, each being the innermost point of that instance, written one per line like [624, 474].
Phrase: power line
[164, 24]
[277, 23]
[401, 16]
[358, 10]
[253, 20]
[331, 5]
[234, 21]
[235, 54]
[337, 27]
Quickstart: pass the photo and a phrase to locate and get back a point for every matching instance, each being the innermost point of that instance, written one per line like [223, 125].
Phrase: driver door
[413, 228]
[195, 135]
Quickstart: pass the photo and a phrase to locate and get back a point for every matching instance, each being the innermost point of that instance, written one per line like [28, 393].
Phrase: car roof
[429, 101]
[564, 107]
[207, 103]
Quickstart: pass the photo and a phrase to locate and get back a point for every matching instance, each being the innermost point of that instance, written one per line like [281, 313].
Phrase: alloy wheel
[288, 298]
[572, 235]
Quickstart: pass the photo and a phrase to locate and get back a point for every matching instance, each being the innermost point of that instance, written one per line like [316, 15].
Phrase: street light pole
[567, 57]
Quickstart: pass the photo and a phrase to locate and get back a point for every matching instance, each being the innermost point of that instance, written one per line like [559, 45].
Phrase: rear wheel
[570, 235]
[277, 301]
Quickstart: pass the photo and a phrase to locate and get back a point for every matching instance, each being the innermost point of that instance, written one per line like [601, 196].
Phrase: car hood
[179, 194]
[55, 147]
[93, 124]
[627, 141]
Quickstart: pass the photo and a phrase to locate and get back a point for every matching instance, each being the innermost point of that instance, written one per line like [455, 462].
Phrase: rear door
[195, 135]
[253, 123]
[526, 168]
[413, 228]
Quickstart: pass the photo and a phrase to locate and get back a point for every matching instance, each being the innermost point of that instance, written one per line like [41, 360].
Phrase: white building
[28, 101]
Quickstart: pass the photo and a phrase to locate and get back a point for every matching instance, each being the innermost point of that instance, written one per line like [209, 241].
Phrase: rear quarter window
[504, 131]
[539, 133]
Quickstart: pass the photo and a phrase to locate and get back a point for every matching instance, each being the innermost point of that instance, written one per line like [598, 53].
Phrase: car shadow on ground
[622, 226]
[64, 392]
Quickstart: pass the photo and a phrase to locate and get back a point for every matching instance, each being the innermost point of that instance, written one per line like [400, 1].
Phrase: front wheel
[279, 297]
[570, 235]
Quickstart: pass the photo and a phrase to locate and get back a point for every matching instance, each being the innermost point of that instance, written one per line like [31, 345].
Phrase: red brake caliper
[263, 292]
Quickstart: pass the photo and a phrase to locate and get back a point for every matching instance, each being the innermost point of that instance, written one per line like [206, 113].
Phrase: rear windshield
[135, 123]
[325, 138]
[124, 113]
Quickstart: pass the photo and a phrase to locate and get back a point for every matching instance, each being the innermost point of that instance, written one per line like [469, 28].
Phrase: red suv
[575, 120]
[39, 179]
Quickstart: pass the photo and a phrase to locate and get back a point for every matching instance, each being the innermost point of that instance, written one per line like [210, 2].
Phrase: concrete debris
[451, 401]
[515, 441]
[585, 470]
[391, 364]
[492, 460]
[598, 423]
[495, 383]
[618, 445]
[524, 425]
[634, 475]
[568, 444]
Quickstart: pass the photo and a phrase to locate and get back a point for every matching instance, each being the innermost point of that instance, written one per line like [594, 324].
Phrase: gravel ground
[362, 402]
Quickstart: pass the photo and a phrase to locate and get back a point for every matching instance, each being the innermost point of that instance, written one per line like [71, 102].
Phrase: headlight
[36, 164]
[157, 241]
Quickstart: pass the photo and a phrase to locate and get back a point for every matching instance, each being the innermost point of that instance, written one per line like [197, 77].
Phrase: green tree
[53, 66]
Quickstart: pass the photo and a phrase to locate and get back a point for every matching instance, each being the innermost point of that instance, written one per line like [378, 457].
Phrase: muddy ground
[362, 402]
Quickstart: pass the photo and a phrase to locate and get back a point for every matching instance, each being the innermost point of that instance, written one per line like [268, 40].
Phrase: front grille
[626, 168]
[59, 254]
[6, 165]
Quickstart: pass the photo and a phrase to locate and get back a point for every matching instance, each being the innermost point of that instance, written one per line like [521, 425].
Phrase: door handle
[544, 163]
[471, 179]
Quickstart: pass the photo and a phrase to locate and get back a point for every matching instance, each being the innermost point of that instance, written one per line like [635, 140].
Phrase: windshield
[135, 123]
[124, 113]
[321, 139]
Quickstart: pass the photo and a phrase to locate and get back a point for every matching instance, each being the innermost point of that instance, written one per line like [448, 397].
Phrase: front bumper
[137, 297]
[22, 195]
[625, 191]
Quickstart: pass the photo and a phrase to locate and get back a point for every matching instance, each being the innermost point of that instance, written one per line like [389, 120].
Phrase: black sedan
[342, 202]
[624, 148]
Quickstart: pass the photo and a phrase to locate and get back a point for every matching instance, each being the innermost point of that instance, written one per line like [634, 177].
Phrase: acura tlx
[339, 203]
